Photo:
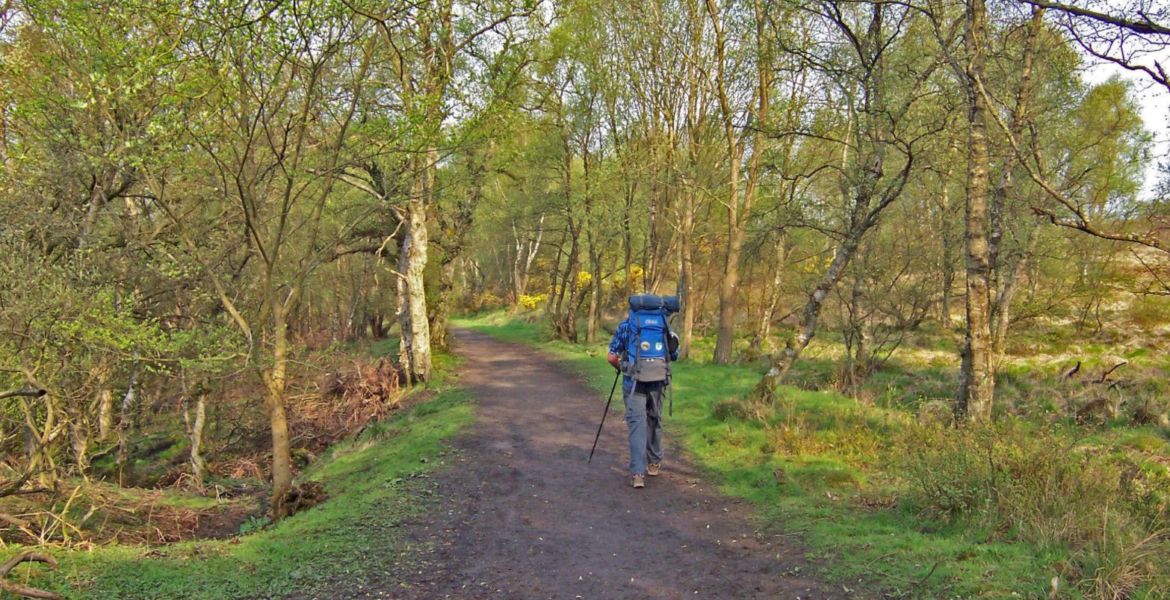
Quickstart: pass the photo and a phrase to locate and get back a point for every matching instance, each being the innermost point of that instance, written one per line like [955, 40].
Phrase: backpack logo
[646, 345]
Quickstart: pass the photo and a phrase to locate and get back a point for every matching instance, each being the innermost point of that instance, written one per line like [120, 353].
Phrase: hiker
[642, 348]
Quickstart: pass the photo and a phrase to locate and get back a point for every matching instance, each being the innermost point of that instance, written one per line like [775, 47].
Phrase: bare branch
[27, 392]
[1144, 24]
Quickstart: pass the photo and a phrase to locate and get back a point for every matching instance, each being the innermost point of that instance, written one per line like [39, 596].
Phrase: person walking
[643, 348]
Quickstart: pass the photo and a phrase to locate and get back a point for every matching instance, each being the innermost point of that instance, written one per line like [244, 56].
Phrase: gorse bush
[1015, 480]
[533, 302]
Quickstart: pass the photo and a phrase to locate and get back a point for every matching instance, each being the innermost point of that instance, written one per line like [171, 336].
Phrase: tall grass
[1016, 480]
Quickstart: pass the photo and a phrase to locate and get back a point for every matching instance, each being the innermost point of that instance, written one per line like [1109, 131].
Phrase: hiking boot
[639, 481]
[653, 469]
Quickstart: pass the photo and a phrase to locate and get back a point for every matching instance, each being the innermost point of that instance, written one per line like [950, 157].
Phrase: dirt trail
[523, 516]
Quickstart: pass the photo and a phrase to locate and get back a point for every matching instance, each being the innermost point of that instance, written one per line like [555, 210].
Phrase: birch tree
[856, 53]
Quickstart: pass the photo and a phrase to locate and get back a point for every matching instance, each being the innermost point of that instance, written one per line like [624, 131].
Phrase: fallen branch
[23, 590]
[1110, 371]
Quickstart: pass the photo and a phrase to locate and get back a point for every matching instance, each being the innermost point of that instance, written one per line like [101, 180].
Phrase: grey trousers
[644, 418]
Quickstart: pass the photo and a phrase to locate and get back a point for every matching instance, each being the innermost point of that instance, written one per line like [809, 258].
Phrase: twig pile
[349, 401]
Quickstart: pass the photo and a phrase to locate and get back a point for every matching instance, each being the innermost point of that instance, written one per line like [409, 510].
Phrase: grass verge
[375, 482]
[864, 497]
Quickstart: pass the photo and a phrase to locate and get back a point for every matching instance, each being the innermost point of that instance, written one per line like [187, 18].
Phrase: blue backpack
[648, 350]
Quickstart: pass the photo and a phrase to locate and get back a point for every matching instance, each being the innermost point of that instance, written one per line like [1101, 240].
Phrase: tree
[977, 376]
[856, 55]
[273, 146]
[1130, 34]
[427, 46]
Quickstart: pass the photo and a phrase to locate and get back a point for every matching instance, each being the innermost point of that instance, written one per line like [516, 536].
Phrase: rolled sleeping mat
[670, 304]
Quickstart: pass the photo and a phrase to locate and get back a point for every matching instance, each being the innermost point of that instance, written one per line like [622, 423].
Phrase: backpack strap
[637, 348]
[666, 342]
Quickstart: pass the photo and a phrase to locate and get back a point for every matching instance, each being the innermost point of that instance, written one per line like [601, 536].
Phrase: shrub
[1149, 311]
[730, 409]
[1019, 481]
[534, 301]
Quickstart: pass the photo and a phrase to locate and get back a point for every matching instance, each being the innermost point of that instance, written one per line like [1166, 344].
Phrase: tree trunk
[1001, 309]
[79, 440]
[526, 252]
[595, 292]
[198, 466]
[275, 380]
[125, 425]
[628, 239]
[593, 247]
[686, 283]
[1004, 286]
[105, 412]
[649, 251]
[948, 281]
[566, 317]
[725, 337]
[412, 266]
[565, 311]
[517, 275]
[978, 378]
[765, 390]
[739, 212]
[771, 297]
[440, 308]
[948, 243]
[403, 312]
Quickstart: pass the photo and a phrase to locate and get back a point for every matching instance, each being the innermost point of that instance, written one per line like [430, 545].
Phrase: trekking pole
[598, 436]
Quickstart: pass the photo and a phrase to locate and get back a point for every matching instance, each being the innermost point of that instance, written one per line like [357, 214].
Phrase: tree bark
[125, 424]
[413, 263]
[977, 380]
[105, 412]
[526, 252]
[79, 434]
[565, 319]
[947, 267]
[198, 465]
[725, 336]
[686, 282]
[275, 380]
[594, 319]
[565, 312]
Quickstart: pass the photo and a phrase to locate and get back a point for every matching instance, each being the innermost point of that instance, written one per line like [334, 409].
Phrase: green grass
[374, 483]
[825, 467]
